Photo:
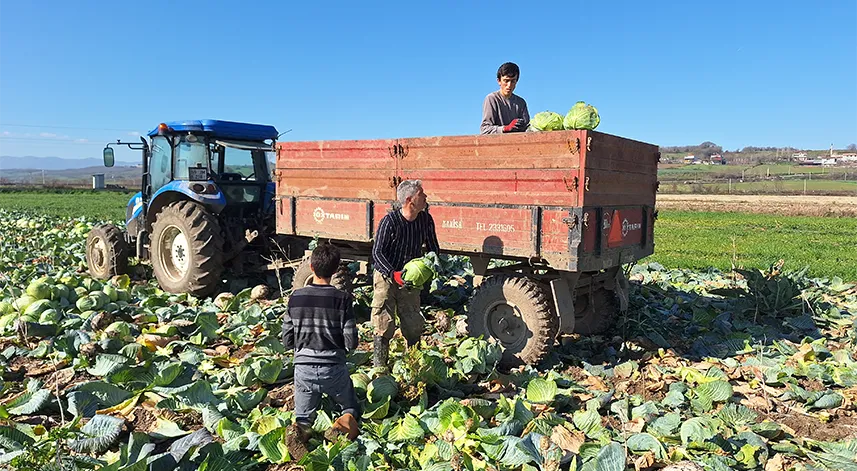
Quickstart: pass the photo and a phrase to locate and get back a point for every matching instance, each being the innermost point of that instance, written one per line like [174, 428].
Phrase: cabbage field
[746, 369]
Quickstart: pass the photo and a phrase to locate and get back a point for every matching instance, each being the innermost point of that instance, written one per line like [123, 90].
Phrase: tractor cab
[222, 165]
[206, 187]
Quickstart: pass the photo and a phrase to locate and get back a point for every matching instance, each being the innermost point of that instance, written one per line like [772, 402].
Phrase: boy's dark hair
[325, 260]
[509, 69]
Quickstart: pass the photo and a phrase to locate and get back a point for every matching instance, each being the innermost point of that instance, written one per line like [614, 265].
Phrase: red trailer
[568, 208]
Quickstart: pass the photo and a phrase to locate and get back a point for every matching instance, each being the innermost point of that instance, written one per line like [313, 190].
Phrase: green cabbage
[39, 290]
[101, 298]
[547, 121]
[87, 303]
[581, 116]
[37, 308]
[6, 308]
[118, 329]
[60, 291]
[22, 303]
[51, 316]
[111, 292]
[92, 285]
[418, 272]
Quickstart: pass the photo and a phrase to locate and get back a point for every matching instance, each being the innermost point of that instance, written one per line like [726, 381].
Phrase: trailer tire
[342, 279]
[187, 249]
[598, 315]
[517, 312]
[106, 252]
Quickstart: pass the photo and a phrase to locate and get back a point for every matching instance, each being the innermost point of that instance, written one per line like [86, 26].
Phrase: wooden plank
[548, 187]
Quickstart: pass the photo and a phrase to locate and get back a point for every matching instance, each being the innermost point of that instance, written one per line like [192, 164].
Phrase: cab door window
[160, 171]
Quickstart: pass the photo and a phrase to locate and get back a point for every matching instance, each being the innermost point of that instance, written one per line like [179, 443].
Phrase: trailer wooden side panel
[578, 200]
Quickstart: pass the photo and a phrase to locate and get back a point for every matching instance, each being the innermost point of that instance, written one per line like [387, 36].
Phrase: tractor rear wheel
[342, 279]
[187, 249]
[106, 252]
[517, 312]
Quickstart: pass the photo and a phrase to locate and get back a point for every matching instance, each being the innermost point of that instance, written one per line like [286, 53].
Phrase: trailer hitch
[249, 236]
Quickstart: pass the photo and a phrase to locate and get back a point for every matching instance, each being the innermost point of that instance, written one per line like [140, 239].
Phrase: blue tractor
[206, 196]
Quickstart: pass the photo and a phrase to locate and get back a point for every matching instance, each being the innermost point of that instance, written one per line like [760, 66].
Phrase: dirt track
[785, 205]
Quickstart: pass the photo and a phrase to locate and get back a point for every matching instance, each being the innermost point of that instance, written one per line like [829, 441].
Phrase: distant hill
[54, 163]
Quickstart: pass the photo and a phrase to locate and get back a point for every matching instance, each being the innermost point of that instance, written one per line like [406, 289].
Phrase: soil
[144, 420]
[296, 441]
[811, 384]
[187, 420]
[839, 427]
[837, 206]
[21, 365]
[283, 397]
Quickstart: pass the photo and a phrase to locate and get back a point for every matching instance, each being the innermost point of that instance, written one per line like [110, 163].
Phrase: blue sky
[75, 75]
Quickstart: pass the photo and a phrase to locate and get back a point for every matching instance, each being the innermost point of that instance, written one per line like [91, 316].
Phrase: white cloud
[47, 134]
[81, 140]
[133, 133]
[7, 133]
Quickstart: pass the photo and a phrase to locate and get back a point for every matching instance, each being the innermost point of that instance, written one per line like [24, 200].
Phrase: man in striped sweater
[400, 238]
[321, 328]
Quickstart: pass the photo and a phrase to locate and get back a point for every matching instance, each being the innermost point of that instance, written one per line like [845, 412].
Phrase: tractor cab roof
[221, 129]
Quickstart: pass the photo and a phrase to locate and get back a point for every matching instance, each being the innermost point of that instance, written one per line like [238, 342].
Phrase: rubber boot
[382, 352]
[412, 340]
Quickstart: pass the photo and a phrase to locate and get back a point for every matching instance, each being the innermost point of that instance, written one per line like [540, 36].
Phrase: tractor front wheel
[342, 279]
[106, 252]
[187, 249]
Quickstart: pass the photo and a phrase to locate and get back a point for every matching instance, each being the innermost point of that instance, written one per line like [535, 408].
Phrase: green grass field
[683, 239]
[720, 171]
[106, 205]
[700, 240]
[765, 187]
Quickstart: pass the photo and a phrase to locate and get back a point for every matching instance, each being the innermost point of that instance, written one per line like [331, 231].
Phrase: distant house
[690, 159]
[717, 159]
[799, 155]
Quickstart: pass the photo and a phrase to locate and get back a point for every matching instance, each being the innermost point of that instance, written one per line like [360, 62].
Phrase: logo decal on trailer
[320, 215]
[627, 227]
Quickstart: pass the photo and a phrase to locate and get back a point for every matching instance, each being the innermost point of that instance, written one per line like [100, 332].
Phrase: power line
[64, 127]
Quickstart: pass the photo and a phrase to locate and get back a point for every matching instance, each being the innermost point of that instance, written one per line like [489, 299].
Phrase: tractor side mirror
[108, 157]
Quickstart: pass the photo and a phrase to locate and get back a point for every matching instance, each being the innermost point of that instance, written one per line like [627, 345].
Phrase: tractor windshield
[190, 152]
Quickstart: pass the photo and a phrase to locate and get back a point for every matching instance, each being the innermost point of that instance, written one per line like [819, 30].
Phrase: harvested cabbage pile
[580, 116]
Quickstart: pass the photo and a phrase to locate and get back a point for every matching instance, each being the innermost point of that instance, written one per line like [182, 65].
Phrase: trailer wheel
[342, 279]
[517, 312]
[596, 315]
[187, 249]
[106, 252]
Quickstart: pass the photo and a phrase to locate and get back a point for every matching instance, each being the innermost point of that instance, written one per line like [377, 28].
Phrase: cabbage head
[51, 316]
[39, 290]
[581, 116]
[33, 310]
[547, 121]
[418, 272]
